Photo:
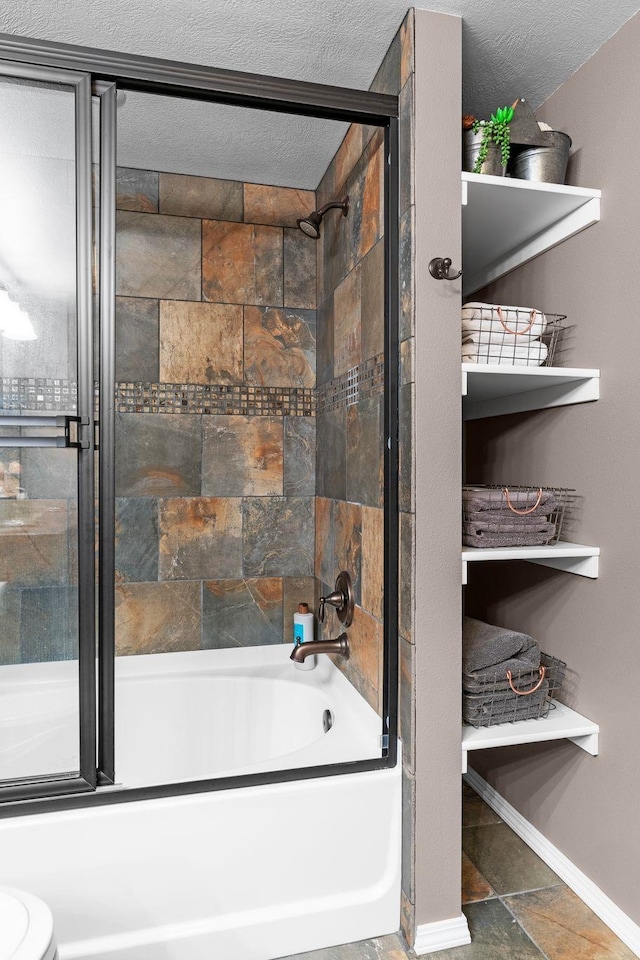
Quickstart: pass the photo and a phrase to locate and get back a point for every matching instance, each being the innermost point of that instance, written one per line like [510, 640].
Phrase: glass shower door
[47, 658]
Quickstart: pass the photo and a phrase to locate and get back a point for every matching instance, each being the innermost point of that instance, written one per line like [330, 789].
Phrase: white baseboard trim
[441, 935]
[617, 921]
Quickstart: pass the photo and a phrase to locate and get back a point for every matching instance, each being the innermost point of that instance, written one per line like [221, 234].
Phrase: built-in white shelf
[570, 557]
[507, 222]
[490, 390]
[562, 723]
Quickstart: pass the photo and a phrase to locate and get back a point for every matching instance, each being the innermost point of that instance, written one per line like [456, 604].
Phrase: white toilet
[26, 927]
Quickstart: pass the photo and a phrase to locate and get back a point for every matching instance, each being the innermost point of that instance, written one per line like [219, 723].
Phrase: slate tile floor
[517, 908]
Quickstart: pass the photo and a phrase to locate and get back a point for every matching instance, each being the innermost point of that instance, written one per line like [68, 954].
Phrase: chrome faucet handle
[341, 598]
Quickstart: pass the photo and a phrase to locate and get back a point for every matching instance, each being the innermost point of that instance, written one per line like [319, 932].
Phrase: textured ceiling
[509, 50]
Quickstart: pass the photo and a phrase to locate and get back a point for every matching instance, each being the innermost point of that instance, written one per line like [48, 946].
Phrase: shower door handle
[72, 434]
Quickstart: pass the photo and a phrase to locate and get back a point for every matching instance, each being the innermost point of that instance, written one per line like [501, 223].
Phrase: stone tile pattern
[38, 553]
[216, 322]
[223, 261]
[189, 259]
[223, 502]
[380, 948]
[38, 567]
[564, 927]
[250, 353]
[395, 77]
[515, 904]
[349, 407]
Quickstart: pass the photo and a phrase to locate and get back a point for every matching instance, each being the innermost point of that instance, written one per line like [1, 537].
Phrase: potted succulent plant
[488, 142]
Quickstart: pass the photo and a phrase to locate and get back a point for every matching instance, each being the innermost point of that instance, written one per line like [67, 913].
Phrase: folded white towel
[496, 338]
[489, 317]
[533, 354]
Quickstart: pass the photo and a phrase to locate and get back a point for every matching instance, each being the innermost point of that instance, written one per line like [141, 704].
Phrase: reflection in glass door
[47, 708]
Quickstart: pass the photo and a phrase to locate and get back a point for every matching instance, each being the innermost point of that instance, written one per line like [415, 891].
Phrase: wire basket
[494, 515]
[517, 336]
[509, 697]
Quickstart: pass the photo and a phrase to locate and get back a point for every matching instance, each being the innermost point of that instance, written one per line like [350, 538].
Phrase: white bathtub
[241, 874]
[250, 709]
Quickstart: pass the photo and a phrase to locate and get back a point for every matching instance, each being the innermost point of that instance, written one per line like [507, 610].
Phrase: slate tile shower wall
[396, 77]
[215, 429]
[349, 420]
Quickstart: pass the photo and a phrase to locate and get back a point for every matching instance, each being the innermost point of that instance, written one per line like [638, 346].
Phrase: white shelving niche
[561, 724]
[527, 218]
[491, 390]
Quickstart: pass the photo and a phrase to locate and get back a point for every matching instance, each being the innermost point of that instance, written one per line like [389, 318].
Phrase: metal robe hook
[439, 269]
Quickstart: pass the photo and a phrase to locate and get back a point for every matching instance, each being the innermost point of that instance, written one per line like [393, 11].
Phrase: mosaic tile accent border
[365, 380]
[214, 399]
[37, 393]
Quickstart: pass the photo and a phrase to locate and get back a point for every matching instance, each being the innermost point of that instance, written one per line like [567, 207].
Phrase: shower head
[310, 225]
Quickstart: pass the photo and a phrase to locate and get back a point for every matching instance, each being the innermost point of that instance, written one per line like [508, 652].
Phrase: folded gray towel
[478, 527]
[478, 498]
[501, 517]
[481, 710]
[526, 538]
[498, 649]
[491, 681]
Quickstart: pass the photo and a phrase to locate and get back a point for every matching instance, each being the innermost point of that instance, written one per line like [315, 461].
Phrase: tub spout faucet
[342, 599]
[339, 646]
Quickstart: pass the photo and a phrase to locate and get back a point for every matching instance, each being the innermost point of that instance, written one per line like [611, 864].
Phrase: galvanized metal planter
[471, 148]
[547, 163]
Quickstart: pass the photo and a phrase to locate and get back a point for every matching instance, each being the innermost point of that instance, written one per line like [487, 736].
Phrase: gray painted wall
[437, 465]
[586, 806]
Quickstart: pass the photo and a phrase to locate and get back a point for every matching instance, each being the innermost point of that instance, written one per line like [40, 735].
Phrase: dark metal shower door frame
[110, 71]
[77, 432]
